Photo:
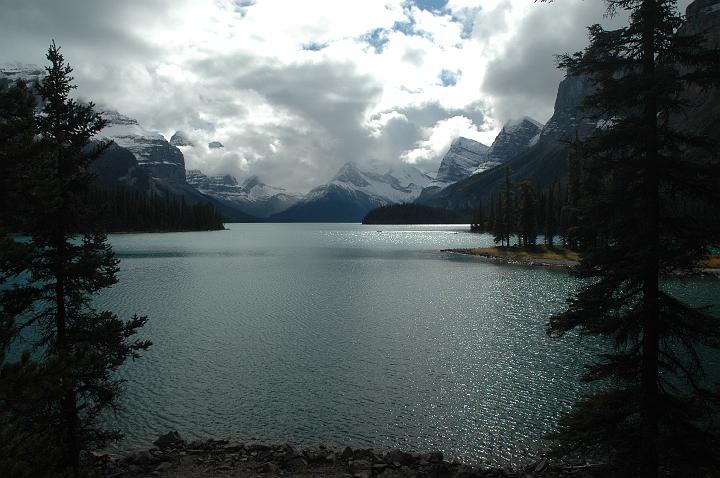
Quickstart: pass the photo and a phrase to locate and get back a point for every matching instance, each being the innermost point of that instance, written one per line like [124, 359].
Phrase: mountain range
[468, 173]
[354, 192]
[545, 158]
[251, 196]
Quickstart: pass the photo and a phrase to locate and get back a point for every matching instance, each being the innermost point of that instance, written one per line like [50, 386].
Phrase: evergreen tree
[59, 395]
[540, 211]
[499, 226]
[550, 221]
[653, 410]
[491, 214]
[570, 210]
[478, 220]
[508, 207]
[527, 232]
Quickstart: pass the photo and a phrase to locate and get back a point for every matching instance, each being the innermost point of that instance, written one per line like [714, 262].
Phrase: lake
[346, 334]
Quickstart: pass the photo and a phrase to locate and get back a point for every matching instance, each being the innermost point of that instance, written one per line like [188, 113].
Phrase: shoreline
[519, 257]
[558, 259]
[172, 456]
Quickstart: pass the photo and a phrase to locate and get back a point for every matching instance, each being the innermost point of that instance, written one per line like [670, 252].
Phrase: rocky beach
[173, 456]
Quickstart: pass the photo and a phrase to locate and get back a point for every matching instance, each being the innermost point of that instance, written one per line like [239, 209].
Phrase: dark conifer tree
[508, 208]
[491, 214]
[23, 424]
[478, 219]
[527, 232]
[499, 230]
[69, 261]
[570, 210]
[550, 220]
[540, 211]
[653, 410]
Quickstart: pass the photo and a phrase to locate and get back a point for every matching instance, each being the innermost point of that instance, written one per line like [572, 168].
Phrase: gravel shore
[173, 457]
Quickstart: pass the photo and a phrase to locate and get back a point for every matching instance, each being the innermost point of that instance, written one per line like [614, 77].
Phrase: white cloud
[294, 89]
[439, 137]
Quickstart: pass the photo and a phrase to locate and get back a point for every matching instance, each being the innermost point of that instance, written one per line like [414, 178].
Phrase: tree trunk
[650, 338]
[68, 403]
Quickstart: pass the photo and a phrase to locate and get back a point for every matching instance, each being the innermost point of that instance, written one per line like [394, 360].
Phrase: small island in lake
[415, 214]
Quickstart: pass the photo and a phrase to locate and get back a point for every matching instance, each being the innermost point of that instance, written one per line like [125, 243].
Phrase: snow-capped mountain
[464, 156]
[541, 160]
[515, 137]
[11, 72]
[251, 196]
[180, 139]
[353, 192]
[467, 157]
[152, 151]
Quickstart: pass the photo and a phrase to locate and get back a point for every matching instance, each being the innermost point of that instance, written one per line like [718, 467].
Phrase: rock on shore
[174, 457]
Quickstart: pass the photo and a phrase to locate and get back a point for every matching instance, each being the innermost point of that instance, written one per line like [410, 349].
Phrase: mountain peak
[180, 138]
[152, 151]
[252, 196]
[515, 123]
[351, 174]
[515, 137]
[251, 182]
[463, 157]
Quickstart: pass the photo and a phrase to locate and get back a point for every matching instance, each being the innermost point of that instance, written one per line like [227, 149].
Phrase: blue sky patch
[449, 78]
[314, 46]
[431, 5]
[377, 38]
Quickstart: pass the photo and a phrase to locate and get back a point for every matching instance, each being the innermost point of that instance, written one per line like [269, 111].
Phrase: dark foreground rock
[174, 457]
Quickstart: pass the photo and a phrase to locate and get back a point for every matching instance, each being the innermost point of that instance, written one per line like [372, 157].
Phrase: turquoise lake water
[346, 334]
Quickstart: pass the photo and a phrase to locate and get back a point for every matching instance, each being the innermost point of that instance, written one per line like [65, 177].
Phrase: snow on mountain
[152, 151]
[180, 139]
[251, 196]
[463, 157]
[398, 184]
[467, 157]
[11, 72]
[353, 192]
[514, 138]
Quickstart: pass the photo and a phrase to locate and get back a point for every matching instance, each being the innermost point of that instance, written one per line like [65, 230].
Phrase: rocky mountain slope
[515, 137]
[11, 72]
[353, 192]
[162, 162]
[542, 161]
[547, 159]
[152, 151]
[703, 16]
[463, 157]
[252, 196]
[180, 139]
[139, 159]
[462, 161]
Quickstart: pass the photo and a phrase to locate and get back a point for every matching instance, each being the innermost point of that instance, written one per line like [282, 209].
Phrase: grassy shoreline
[544, 256]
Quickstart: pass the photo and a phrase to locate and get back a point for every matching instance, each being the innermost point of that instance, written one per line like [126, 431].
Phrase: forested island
[415, 214]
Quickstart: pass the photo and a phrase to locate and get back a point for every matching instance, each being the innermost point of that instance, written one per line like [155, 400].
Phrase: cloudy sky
[295, 88]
